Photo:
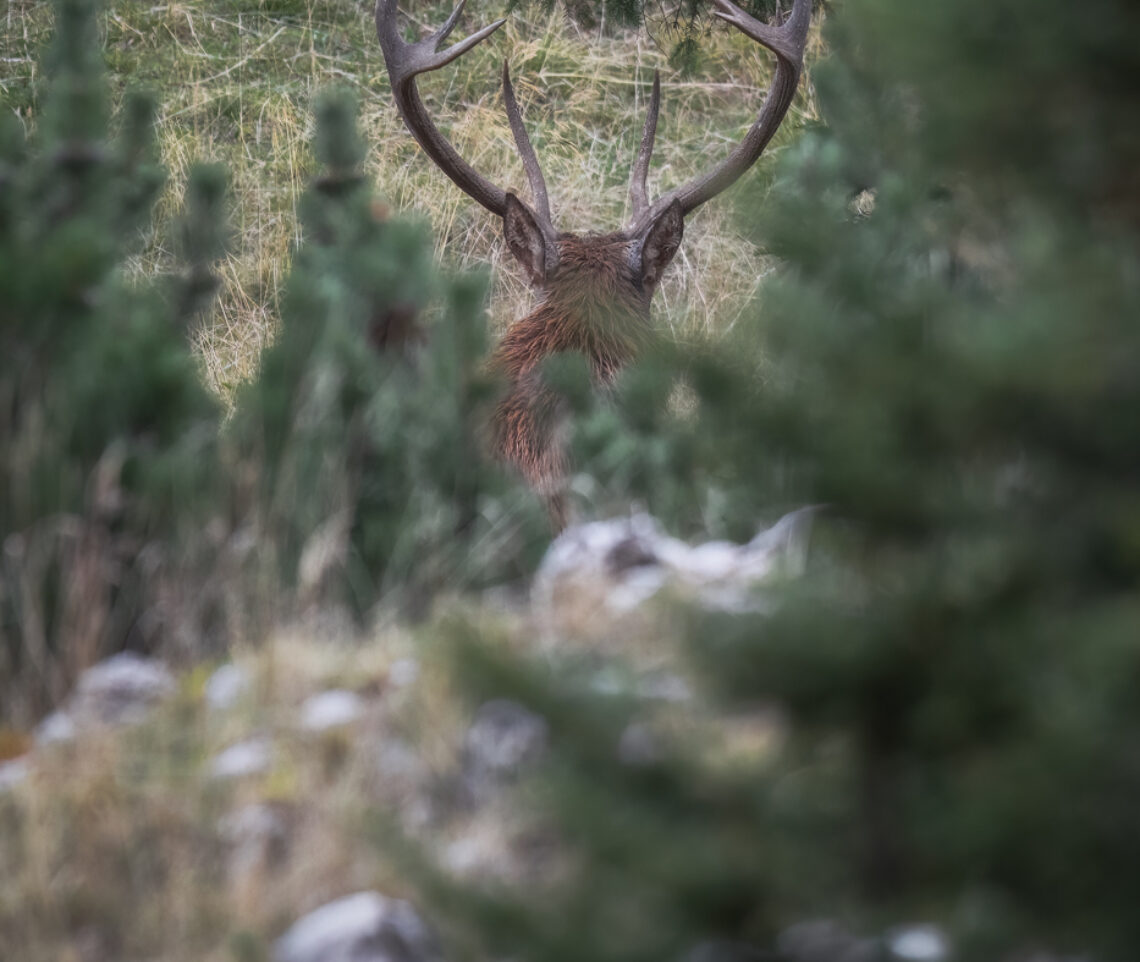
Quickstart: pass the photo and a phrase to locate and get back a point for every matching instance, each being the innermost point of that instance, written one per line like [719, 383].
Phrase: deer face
[594, 277]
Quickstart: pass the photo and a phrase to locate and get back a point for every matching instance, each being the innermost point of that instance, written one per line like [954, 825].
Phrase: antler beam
[787, 42]
[405, 62]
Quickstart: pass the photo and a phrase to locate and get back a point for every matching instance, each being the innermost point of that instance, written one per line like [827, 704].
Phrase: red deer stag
[594, 289]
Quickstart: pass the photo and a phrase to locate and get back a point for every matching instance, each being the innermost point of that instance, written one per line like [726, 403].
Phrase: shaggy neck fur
[594, 305]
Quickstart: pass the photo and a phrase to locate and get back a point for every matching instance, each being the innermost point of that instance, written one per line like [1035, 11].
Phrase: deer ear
[661, 243]
[525, 239]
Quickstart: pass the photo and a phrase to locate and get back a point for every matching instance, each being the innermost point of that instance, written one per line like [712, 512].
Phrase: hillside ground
[235, 80]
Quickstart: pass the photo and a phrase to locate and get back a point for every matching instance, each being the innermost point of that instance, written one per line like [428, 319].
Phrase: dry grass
[120, 845]
[236, 80]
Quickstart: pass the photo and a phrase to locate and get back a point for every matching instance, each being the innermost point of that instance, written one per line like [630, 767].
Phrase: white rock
[636, 587]
[403, 672]
[711, 561]
[619, 564]
[503, 738]
[256, 834]
[396, 759]
[918, 943]
[365, 927]
[490, 849]
[331, 709]
[610, 548]
[13, 773]
[467, 856]
[726, 575]
[254, 756]
[250, 821]
[226, 686]
[57, 727]
[121, 690]
[788, 538]
[596, 572]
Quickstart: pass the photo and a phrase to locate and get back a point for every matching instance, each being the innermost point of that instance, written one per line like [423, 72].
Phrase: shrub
[361, 435]
[106, 429]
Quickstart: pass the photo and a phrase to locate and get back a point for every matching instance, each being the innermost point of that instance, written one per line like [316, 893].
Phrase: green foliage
[959, 382]
[949, 364]
[360, 445]
[202, 239]
[104, 423]
[364, 429]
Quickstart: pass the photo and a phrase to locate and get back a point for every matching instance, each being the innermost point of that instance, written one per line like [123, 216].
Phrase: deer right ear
[660, 244]
[525, 239]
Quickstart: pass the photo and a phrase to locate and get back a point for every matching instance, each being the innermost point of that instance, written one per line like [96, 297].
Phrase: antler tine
[787, 42]
[409, 59]
[405, 61]
[449, 24]
[639, 199]
[526, 152]
[457, 50]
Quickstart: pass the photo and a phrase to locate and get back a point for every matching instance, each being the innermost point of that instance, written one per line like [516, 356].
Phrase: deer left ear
[524, 238]
[661, 243]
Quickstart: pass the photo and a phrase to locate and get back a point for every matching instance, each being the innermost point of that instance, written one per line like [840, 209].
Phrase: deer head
[595, 289]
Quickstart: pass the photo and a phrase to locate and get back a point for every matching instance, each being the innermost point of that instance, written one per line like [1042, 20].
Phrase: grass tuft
[236, 81]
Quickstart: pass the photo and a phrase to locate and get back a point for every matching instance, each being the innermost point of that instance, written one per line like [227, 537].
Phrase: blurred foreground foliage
[106, 430]
[133, 512]
[363, 432]
[949, 366]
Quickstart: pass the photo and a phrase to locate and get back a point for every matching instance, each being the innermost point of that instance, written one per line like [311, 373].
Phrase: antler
[406, 61]
[637, 195]
[526, 150]
[787, 42]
